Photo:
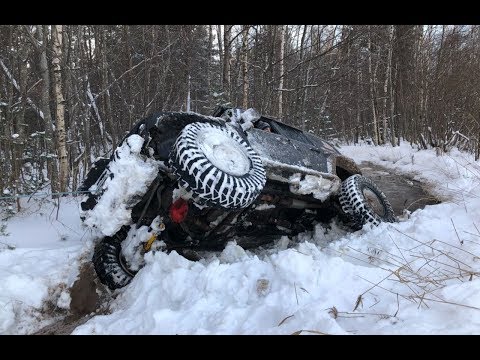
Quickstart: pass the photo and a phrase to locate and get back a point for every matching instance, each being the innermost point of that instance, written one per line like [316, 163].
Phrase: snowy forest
[370, 227]
[68, 93]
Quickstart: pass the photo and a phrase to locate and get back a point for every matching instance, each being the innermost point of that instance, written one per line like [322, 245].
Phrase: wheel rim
[374, 202]
[224, 152]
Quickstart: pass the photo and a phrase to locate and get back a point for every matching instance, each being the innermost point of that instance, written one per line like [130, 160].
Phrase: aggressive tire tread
[357, 211]
[107, 264]
[210, 185]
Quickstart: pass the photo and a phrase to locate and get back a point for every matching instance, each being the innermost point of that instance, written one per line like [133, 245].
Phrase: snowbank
[418, 276]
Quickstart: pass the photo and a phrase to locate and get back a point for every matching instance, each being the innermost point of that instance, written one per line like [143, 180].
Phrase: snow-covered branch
[15, 85]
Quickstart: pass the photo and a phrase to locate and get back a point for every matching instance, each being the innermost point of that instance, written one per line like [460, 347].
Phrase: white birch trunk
[245, 66]
[57, 35]
[282, 71]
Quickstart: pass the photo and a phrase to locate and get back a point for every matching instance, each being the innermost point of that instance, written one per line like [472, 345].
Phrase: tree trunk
[281, 55]
[129, 81]
[112, 126]
[220, 47]
[245, 66]
[298, 116]
[305, 85]
[359, 111]
[388, 70]
[57, 35]
[188, 93]
[389, 73]
[209, 64]
[372, 89]
[45, 100]
[19, 142]
[226, 60]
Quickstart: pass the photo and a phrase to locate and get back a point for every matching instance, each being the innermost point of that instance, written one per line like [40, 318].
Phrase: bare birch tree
[57, 36]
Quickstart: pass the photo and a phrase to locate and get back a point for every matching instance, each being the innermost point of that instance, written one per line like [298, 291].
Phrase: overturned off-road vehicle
[186, 182]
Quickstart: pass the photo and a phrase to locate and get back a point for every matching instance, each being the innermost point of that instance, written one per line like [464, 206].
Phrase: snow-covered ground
[420, 275]
[40, 256]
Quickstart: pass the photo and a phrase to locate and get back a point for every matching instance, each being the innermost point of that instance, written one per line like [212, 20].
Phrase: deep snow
[419, 275]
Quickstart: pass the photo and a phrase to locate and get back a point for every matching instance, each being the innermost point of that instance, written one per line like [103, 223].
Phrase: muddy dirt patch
[402, 191]
[88, 299]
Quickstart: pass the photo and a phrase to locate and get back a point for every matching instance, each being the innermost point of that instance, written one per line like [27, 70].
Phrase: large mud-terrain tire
[217, 165]
[363, 202]
[108, 262]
